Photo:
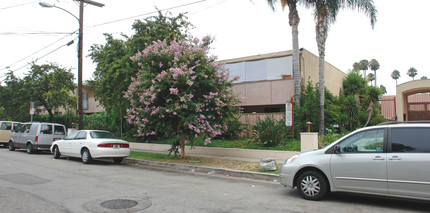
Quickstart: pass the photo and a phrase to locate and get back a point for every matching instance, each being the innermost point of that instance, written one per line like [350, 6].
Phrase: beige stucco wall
[268, 92]
[408, 88]
[93, 105]
[333, 76]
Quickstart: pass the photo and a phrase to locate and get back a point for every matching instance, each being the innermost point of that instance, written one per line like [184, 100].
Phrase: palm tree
[395, 75]
[371, 77]
[371, 97]
[374, 65]
[363, 66]
[294, 21]
[412, 72]
[325, 12]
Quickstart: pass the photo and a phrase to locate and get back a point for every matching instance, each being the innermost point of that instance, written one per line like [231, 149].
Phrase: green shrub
[270, 132]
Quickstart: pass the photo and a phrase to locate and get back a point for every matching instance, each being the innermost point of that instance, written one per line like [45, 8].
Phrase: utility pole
[80, 58]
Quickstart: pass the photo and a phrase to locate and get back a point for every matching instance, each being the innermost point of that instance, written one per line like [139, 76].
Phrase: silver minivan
[390, 159]
[35, 136]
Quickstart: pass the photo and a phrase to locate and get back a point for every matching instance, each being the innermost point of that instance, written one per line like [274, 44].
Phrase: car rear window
[6, 126]
[59, 130]
[102, 134]
[415, 140]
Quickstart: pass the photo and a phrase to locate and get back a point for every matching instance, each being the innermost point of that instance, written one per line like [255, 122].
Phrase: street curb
[208, 170]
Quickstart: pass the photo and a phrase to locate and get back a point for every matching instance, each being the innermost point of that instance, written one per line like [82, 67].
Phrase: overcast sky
[241, 28]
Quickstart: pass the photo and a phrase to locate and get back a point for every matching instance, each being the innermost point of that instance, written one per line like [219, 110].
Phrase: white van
[35, 136]
[6, 128]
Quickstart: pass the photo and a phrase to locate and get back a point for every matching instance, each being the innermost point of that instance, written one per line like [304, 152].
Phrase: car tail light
[112, 144]
[36, 139]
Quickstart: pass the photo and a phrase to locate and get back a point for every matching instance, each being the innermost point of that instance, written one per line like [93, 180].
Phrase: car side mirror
[336, 149]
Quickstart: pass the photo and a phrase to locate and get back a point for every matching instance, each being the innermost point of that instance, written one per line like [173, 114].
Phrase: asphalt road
[38, 183]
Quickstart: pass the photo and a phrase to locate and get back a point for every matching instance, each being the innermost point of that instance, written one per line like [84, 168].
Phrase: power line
[3, 8]
[34, 33]
[68, 44]
[145, 14]
[39, 50]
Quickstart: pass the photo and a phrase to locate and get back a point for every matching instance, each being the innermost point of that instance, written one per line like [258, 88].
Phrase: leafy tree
[180, 89]
[325, 12]
[424, 77]
[383, 89]
[49, 86]
[294, 21]
[412, 72]
[351, 110]
[395, 75]
[115, 70]
[374, 65]
[17, 106]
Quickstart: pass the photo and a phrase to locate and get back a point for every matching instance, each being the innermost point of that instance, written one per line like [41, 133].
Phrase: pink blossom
[174, 91]
[207, 141]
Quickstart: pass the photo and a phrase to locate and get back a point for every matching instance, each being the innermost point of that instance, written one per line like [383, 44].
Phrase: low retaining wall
[248, 154]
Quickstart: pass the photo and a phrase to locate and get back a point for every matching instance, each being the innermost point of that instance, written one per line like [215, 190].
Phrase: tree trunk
[182, 142]
[321, 36]
[370, 109]
[375, 78]
[294, 21]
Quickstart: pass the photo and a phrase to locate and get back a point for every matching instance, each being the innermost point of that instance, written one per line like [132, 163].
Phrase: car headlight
[291, 159]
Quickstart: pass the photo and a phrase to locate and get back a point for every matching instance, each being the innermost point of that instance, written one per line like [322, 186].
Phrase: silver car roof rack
[405, 122]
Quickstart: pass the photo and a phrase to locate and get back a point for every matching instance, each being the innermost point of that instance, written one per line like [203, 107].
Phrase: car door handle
[378, 158]
[394, 158]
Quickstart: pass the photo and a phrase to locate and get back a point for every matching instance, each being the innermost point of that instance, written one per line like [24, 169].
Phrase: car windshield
[102, 134]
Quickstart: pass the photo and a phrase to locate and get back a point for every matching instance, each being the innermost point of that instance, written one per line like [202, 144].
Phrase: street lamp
[80, 47]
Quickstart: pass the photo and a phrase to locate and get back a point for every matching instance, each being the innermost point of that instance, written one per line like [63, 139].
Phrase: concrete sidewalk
[252, 155]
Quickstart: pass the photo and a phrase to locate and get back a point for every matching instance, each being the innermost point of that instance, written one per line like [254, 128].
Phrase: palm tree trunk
[321, 36]
[375, 78]
[294, 21]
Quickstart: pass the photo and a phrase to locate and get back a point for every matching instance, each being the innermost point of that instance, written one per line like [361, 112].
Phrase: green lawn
[247, 143]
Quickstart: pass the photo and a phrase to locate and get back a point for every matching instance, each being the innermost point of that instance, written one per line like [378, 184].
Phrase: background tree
[325, 12]
[115, 69]
[294, 21]
[395, 75]
[371, 77]
[180, 89]
[412, 72]
[49, 85]
[364, 66]
[374, 65]
[372, 98]
[17, 106]
[383, 89]
[424, 77]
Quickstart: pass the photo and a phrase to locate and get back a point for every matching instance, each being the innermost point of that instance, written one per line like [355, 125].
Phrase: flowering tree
[179, 88]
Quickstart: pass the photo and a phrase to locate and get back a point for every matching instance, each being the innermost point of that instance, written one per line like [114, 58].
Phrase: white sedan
[91, 144]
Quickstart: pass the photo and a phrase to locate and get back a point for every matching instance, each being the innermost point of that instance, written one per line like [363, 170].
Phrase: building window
[85, 101]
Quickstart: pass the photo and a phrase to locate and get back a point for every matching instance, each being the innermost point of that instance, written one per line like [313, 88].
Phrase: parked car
[91, 144]
[6, 128]
[35, 136]
[390, 159]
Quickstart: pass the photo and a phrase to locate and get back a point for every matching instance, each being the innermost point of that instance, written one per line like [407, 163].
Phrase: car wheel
[11, 146]
[29, 148]
[311, 185]
[56, 152]
[117, 160]
[86, 156]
